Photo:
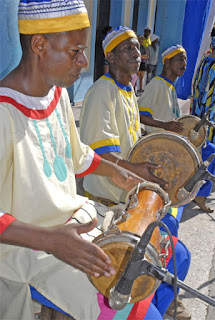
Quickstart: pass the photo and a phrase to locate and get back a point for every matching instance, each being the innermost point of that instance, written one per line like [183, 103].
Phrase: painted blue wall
[117, 13]
[142, 16]
[79, 89]
[11, 52]
[196, 11]
[169, 24]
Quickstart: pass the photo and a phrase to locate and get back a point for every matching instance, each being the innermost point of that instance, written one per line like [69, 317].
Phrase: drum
[197, 138]
[145, 204]
[177, 157]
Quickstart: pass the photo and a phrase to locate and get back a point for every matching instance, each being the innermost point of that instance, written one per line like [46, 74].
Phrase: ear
[110, 57]
[38, 42]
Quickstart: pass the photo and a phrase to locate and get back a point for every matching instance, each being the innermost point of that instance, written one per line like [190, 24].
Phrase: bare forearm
[149, 121]
[27, 235]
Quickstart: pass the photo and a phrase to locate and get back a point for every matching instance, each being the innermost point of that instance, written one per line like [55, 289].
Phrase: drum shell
[119, 243]
[178, 159]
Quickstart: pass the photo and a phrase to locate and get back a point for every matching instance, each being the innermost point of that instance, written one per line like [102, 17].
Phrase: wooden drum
[145, 204]
[177, 157]
[196, 138]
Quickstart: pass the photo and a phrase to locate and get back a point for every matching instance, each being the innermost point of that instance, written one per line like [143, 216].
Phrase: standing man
[204, 100]
[40, 154]
[153, 57]
[111, 104]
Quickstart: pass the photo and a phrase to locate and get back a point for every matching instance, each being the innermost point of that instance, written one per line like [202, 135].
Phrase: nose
[136, 52]
[82, 60]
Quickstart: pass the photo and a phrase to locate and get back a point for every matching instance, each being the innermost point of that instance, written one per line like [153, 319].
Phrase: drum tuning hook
[201, 174]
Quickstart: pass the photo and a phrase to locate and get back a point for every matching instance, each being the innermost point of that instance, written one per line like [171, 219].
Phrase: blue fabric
[10, 48]
[44, 301]
[195, 19]
[165, 293]
[171, 223]
[205, 190]
[152, 313]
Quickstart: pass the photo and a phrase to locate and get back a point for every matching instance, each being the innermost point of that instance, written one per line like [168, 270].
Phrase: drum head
[197, 138]
[119, 248]
[176, 155]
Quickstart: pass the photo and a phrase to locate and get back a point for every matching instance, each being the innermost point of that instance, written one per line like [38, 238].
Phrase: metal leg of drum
[166, 276]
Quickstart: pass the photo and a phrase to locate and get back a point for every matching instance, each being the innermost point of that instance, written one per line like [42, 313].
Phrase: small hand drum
[197, 138]
[178, 159]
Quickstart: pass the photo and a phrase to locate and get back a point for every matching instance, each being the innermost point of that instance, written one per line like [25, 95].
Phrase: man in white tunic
[158, 105]
[40, 154]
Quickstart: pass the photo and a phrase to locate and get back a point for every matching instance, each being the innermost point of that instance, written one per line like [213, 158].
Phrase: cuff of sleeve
[93, 166]
[5, 221]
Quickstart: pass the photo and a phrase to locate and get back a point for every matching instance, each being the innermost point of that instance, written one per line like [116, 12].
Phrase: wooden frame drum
[177, 157]
[196, 138]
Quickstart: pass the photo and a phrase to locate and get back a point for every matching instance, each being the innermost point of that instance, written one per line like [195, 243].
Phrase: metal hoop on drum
[145, 203]
[178, 159]
[197, 137]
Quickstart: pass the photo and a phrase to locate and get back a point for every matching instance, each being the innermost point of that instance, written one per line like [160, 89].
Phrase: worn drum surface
[178, 159]
[119, 246]
[197, 138]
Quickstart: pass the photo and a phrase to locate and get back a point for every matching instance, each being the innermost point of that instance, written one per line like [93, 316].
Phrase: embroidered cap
[49, 16]
[172, 51]
[115, 37]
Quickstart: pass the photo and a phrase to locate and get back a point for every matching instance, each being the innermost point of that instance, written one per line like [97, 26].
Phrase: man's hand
[174, 126]
[64, 242]
[68, 246]
[127, 175]
[145, 170]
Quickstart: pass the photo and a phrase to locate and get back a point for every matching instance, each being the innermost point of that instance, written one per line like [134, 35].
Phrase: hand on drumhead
[145, 170]
[69, 247]
[174, 126]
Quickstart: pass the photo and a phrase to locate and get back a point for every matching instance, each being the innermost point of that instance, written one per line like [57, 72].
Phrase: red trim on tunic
[5, 221]
[93, 166]
[139, 310]
[33, 113]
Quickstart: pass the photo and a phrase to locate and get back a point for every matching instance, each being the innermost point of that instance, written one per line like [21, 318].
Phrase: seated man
[111, 104]
[44, 224]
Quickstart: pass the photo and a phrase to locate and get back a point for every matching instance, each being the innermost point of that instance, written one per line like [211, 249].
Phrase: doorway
[103, 17]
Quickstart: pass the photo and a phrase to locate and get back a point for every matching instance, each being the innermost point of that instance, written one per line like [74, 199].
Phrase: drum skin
[189, 123]
[177, 157]
[119, 250]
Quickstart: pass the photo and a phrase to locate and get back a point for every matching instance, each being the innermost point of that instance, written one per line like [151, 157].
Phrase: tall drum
[144, 206]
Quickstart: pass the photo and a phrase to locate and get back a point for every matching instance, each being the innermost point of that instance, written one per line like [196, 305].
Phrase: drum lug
[164, 246]
[184, 194]
[194, 135]
[133, 201]
[161, 212]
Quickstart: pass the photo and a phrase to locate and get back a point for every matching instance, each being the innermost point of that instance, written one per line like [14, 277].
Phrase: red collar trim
[33, 113]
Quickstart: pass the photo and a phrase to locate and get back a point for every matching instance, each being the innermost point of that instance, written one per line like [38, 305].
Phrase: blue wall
[79, 89]
[9, 37]
[117, 13]
[169, 24]
[197, 12]
[142, 16]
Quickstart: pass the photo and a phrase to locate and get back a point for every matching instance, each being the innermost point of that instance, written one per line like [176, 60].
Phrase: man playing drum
[110, 124]
[40, 153]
